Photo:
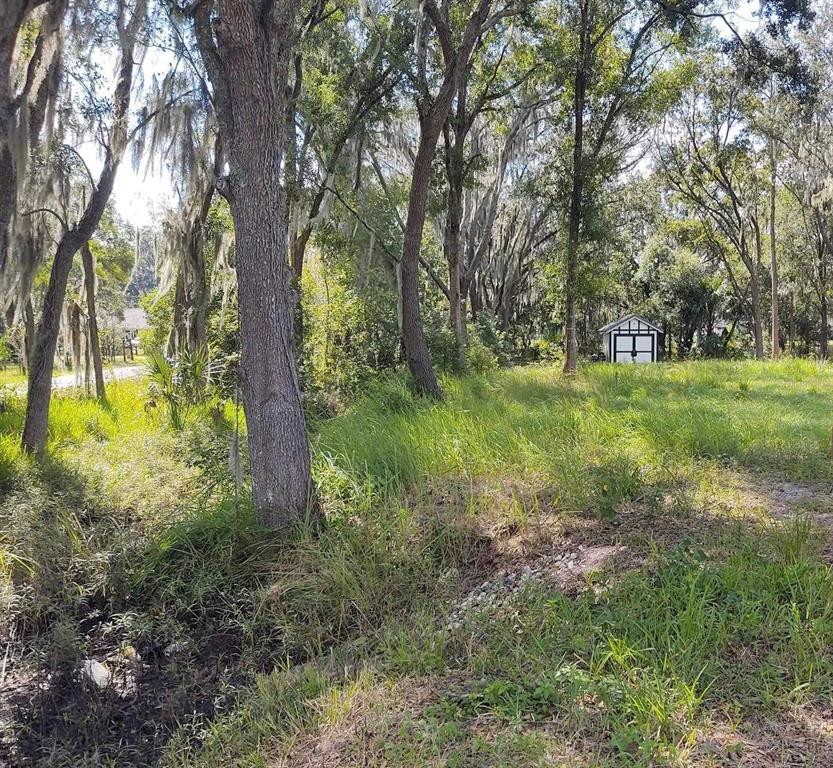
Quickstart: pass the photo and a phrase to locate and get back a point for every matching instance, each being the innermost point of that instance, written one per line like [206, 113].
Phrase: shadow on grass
[166, 617]
[184, 619]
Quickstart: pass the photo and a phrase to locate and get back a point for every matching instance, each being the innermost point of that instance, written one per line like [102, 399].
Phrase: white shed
[632, 339]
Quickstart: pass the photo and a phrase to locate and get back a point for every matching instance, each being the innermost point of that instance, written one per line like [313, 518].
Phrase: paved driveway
[67, 380]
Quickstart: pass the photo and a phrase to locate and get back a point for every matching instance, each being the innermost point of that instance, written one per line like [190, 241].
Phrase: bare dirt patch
[353, 724]
[802, 738]
[781, 499]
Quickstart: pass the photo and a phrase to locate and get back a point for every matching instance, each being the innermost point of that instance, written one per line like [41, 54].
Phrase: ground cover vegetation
[307, 452]
[540, 569]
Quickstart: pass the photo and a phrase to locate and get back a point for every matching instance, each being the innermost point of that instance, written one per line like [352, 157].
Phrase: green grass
[255, 647]
[621, 675]
[595, 441]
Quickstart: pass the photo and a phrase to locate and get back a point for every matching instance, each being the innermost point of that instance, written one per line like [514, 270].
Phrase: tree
[716, 169]
[432, 112]
[620, 83]
[22, 108]
[88, 262]
[341, 82]
[74, 236]
[185, 247]
[493, 80]
[246, 48]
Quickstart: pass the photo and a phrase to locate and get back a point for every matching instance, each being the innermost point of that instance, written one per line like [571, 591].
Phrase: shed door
[633, 348]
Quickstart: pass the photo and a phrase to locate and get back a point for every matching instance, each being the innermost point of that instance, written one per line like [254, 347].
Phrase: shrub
[480, 358]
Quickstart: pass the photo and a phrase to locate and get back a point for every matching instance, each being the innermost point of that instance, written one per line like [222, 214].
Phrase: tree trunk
[753, 265]
[457, 314]
[74, 316]
[298, 249]
[11, 20]
[29, 103]
[28, 342]
[246, 51]
[178, 336]
[8, 194]
[776, 318]
[755, 311]
[433, 114]
[39, 392]
[413, 337]
[452, 247]
[87, 362]
[197, 321]
[88, 262]
[475, 302]
[823, 249]
[576, 201]
[278, 446]
[197, 287]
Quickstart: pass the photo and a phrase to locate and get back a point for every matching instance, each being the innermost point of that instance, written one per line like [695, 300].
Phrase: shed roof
[625, 319]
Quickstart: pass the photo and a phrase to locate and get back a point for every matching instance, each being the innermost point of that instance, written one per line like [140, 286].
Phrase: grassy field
[630, 568]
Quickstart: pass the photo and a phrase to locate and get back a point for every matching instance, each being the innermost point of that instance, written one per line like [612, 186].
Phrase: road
[67, 380]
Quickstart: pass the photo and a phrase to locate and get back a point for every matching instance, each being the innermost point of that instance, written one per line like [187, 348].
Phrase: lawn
[628, 568]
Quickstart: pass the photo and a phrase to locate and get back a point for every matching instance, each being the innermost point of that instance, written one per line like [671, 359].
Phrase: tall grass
[625, 673]
[638, 424]
[132, 535]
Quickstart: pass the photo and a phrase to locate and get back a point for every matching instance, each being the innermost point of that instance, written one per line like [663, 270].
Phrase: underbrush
[630, 669]
[227, 645]
[131, 546]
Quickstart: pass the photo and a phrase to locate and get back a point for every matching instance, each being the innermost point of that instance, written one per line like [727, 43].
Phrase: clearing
[629, 568]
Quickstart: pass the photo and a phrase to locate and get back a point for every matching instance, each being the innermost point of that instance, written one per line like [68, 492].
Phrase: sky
[142, 196]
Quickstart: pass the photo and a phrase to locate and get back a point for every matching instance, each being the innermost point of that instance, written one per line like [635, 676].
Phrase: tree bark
[823, 250]
[413, 337]
[298, 249]
[177, 339]
[11, 20]
[576, 200]
[453, 225]
[755, 292]
[39, 392]
[432, 116]
[41, 69]
[773, 252]
[246, 51]
[88, 262]
[74, 317]
[755, 311]
[821, 279]
[28, 333]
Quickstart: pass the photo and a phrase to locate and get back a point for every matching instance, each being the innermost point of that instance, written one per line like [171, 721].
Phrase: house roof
[623, 320]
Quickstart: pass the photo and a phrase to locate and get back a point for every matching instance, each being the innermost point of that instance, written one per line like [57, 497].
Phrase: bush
[159, 308]
[183, 385]
[480, 358]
